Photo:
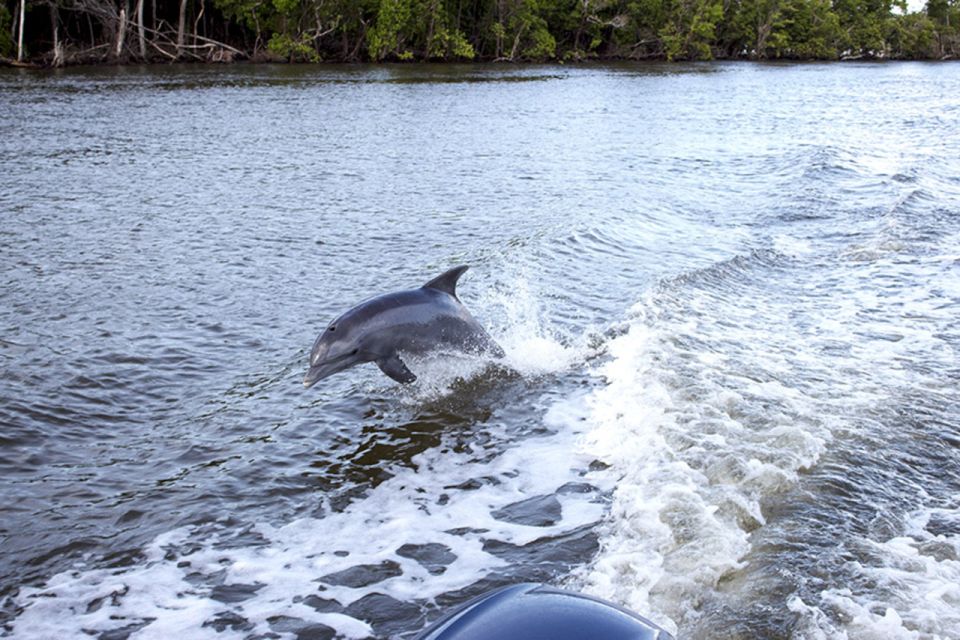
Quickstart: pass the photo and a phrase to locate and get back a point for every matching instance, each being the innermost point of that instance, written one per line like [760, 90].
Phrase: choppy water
[730, 294]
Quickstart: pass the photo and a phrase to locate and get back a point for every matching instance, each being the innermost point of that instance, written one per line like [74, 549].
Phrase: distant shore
[44, 63]
[37, 33]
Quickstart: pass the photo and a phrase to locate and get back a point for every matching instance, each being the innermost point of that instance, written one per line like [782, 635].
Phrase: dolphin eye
[355, 352]
[332, 329]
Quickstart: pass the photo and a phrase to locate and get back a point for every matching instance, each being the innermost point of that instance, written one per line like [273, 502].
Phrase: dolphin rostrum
[415, 322]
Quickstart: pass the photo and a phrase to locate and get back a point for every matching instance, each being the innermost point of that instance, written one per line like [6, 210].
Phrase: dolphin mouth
[318, 372]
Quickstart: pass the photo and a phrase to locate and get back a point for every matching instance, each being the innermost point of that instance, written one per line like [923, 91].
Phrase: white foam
[792, 246]
[712, 406]
[698, 427]
[439, 372]
[655, 492]
[689, 463]
[406, 509]
[63, 606]
[912, 590]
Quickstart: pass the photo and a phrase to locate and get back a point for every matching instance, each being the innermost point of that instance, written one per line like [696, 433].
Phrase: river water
[729, 295]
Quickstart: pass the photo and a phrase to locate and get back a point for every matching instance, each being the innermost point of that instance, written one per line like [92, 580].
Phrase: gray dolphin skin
[413, 322]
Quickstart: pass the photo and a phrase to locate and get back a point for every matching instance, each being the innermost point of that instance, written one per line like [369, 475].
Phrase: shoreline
[108, 32]
[46, 65]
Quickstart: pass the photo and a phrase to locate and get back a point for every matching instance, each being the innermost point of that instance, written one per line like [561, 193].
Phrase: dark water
[729, 296]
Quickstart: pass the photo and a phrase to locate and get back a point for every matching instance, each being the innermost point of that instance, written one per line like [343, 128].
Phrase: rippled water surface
[729, 295]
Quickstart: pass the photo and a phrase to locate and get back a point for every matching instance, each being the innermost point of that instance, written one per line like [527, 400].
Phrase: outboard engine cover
[540, 612]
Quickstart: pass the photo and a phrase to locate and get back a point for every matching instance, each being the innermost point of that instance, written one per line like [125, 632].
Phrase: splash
[518, 323]
[534, 347]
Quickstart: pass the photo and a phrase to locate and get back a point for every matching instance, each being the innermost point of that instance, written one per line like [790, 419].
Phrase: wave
[915, 586]
[692, 463]
[730, 394]
[460, 519]
[428, 514]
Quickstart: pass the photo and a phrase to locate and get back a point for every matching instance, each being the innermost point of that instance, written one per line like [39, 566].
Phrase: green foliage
[7, 47]
[798, 29]
[541, 44]
[809, 30]
[540, 30]
[450, 44]
[939, 11]
[349, 22]
[689, 28]
[522, 31]
[410, 29]
[286, 7]
[913, 36]
[641, 35]
[252, 14]
[579, 27]
[865, 25]
[387, 35]
[945, 15]
[294, 50]
[498, 32]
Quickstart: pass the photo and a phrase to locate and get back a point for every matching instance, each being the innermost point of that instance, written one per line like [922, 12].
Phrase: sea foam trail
[327, 571]
[918, 575]
[690, 471]
[731, 381]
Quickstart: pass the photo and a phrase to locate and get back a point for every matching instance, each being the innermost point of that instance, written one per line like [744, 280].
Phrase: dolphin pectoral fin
[394, 367]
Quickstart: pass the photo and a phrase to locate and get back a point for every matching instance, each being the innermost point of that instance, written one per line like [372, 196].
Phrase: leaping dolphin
[417, 321]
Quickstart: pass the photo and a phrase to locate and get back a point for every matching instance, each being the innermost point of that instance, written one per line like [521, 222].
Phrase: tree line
[55, 32]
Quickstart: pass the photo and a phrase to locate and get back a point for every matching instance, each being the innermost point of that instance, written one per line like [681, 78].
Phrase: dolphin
[415, 322]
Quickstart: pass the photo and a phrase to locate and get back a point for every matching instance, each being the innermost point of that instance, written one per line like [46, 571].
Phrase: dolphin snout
[320, 363]
[316, 374]
[327, 368]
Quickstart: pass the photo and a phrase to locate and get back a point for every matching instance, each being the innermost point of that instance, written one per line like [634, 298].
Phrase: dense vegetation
[63, 31]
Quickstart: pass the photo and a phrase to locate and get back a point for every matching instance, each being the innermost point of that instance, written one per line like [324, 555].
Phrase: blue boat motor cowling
[540, 612]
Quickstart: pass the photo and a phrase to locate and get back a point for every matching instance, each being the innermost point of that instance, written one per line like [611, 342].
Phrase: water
[729, 296]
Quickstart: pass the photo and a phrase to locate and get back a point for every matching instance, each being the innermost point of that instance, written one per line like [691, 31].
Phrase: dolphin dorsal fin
[447, 282]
